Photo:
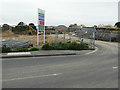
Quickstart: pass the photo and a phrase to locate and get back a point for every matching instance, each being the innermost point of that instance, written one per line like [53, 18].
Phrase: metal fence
[76, 34]
[60, 34]
[107, 35]
[87, 35]
[17, 37]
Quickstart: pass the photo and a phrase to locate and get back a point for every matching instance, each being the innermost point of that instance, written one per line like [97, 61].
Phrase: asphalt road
[94, 70]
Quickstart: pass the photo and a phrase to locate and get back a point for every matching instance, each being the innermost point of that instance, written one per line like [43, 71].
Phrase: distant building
[61, 26]
[50, 28]
[74, 25]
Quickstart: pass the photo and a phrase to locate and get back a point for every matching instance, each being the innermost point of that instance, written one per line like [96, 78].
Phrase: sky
[60, 12]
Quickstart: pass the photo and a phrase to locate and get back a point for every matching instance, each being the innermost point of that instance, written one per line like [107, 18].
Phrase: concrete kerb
[38, 55]
[20, 56]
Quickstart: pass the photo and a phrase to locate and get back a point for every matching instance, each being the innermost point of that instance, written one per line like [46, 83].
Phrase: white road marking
[91, 52]
[56, 74]
[114, 67]
[19, 53]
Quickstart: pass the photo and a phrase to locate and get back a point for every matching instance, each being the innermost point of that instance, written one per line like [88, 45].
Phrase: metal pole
[110, 36]
[92, 41]
[38, 29]
[56, 37]
[64, 37]
[10, 30]
[44, 35]
[44, 30]
[38, 36]
[70, 34]
[78, 35]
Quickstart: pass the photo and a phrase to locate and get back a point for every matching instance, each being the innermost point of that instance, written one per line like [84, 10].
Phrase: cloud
[60, 11]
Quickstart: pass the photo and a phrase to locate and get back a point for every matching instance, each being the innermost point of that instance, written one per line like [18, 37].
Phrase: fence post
[92, 41]
[110, 36]
[10, 35]
[56, 37]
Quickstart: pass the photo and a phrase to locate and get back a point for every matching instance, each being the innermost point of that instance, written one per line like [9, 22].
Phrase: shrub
[21, 49]
[53, 46]
[0, 49]
[31, 45]
[65, 46]
[5, 49]
[74, 46]
[34, 49]
[69, 42]
[62, 46]
[46, 47]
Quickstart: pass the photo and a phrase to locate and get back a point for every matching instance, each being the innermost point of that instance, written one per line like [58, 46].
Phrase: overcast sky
[57, 12]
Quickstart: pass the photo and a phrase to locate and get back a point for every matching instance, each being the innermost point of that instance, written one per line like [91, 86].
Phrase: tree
[5, 27]
[73, 25]
[21, 24]
[117, 24]
[21, 27]
[82, 26]
[95, 26]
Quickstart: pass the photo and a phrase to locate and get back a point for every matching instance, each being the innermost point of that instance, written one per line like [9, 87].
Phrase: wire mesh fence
[24, 33]
[59, 34]
[76, 34]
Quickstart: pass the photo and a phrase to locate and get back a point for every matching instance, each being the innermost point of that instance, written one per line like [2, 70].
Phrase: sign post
[41, 23]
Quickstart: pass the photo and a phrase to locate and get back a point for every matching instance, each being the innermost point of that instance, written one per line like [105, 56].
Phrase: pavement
[49, 52]
[45, 53]
[98, 69]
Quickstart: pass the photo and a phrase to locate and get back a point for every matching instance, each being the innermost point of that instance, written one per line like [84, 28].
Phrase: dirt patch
[50, 38]
[7, 33]
[31, 38]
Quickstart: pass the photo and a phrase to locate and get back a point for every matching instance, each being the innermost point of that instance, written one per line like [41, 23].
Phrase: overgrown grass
[4, 49]
[21, 49]
[34, 49]
[65, 46]
[52, 46]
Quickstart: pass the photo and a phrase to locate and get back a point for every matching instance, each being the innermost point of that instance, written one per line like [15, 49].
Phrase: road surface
[93, 70]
